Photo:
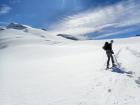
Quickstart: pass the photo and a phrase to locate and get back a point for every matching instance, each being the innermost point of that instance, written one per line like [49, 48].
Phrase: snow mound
[16, 34]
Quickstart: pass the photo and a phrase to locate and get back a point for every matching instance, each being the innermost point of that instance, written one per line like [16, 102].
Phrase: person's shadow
[118, 70]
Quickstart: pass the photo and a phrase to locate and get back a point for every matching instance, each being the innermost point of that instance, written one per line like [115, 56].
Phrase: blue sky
[110, 18]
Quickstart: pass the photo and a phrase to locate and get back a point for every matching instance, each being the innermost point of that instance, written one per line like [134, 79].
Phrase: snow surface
[37, 68]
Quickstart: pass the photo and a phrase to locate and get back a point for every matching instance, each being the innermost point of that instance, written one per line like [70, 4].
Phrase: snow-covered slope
[15, 32]
[37, 68]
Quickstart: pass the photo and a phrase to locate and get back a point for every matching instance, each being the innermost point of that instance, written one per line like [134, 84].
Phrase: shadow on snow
[118, 70]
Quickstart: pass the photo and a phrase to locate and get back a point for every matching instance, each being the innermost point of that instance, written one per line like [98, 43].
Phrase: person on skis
[109, 52]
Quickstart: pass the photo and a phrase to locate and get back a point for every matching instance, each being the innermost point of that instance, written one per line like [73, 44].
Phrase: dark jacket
[108, 48]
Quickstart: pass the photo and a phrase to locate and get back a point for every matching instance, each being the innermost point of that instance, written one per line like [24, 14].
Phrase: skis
[111, 67]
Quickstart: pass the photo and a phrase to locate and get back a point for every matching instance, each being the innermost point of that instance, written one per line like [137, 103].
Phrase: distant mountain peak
[16, 26]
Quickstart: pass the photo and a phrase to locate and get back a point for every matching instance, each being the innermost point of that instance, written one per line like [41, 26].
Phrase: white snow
[37, 68]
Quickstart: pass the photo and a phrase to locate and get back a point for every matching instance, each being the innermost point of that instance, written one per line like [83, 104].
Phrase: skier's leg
[108, 60]
[112, 59]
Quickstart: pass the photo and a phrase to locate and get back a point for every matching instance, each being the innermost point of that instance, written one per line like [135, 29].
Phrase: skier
[109, 52]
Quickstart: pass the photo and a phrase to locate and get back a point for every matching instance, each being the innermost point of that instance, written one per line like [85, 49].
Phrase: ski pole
[116, 60]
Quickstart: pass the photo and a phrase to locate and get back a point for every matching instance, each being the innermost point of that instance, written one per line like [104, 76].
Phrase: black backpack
[105, 46]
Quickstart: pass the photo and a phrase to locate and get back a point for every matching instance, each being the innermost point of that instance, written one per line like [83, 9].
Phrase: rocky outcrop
[16, 26]
[68, 36]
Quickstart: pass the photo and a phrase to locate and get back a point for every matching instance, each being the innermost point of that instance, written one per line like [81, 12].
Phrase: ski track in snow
[135, 53]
